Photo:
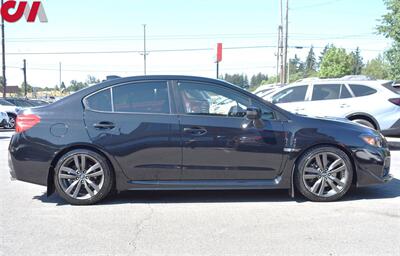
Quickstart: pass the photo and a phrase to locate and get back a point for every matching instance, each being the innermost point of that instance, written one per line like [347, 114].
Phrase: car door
[134, 123]
[330, 99]
[217, 144]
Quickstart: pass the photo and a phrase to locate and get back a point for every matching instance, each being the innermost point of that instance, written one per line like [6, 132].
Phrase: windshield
[5, 103]
[390, 87]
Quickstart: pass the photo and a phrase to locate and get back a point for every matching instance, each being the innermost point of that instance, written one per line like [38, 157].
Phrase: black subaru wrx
[184, 133]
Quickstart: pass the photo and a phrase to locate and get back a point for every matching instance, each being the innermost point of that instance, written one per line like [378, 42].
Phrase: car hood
[341, 123]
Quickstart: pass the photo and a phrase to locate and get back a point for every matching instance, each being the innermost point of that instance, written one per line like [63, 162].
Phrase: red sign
[219, 52]
[13, 13]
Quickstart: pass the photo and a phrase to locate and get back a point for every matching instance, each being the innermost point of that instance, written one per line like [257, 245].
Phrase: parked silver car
[375, 104]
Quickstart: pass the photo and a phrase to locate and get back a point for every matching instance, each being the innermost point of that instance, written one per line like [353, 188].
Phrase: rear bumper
[28, 162]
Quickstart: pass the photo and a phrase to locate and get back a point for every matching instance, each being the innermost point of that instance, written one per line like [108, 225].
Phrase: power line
[170, 50]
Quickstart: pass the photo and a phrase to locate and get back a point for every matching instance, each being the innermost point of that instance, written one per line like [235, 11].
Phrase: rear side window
[344, 94]
[292, 94]
[100, 101]
[145, 97]
[362, 90]
[326, 92]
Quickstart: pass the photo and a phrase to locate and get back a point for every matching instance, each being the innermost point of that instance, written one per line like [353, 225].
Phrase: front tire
[324, 174]
[83, 177]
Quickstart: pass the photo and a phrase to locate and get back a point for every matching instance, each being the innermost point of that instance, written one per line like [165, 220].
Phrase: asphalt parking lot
[366, 222]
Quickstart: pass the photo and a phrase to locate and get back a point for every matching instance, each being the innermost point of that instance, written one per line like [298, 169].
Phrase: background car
[164, 132]
[21, 103]
[11, 111]
[37, 103]
[3, 119]
[375, 104]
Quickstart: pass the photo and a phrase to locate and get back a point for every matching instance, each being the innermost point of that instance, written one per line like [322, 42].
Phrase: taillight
[395, 101]
[26, 122]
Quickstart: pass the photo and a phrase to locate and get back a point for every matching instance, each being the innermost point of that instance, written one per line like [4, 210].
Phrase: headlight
[372, 140]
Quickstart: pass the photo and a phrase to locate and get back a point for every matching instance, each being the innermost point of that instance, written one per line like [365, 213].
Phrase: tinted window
[5, 103]
[292, 94]
[362, 90]
[203, 99]
[145, 97]
[100, 101]
[344, 94]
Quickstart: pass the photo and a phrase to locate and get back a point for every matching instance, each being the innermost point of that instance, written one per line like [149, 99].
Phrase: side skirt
[207, 184]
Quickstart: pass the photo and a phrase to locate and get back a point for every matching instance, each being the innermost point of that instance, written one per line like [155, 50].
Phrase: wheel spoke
[73, 184]
[67, 176]
[77, 189]
[83, 161]
[95, 174]
[93, 168]
[319, 162]
[334, 164]
[340, 169]
[339, 182]
[325, 160]
[76, 161]
[316, 185]
[94, 186]
[88, 189]
[68, 170]
[322, 188]
[332, 185]
[311, 170]
[310, 176]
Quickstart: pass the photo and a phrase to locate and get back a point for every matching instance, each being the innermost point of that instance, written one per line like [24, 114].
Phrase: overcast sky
[93, 25]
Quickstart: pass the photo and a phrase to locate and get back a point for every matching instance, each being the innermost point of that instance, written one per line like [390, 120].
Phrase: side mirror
[253, 113]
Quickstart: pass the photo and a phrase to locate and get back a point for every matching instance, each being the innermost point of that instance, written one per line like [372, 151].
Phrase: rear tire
[83, 177]
[324, 174]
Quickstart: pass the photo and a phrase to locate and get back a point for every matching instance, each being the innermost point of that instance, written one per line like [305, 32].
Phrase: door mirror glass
[253, 113]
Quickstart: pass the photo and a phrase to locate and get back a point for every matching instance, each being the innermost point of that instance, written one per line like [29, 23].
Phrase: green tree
[240, 80]
[377, 68]
[62, 86]
[390, 28]
[323, 52]
[357, 62]
[256, 80]
[336, 63]
[310, 64]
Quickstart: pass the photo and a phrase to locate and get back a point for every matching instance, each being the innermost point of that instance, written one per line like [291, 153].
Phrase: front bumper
[372, 165]
[393, 131]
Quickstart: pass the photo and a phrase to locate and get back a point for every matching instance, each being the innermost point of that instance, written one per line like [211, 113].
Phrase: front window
[211, 100]
[293, 94]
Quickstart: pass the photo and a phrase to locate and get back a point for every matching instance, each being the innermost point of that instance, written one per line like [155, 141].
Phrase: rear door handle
[104, 125]
[195, 131]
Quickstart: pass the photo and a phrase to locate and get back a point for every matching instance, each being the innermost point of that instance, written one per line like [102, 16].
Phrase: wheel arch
[50, 175]
[341, 147]
[362, 115]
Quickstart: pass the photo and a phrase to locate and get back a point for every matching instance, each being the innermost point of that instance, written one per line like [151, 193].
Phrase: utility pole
[278, 53]
[3, 55]
[25, 85]
[60, 75]
[144, 49]
[285, 53]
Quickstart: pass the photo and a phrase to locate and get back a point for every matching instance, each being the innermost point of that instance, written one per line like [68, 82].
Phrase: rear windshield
[390, 87]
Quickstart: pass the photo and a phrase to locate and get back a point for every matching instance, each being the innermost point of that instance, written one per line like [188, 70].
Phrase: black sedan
[183, 133]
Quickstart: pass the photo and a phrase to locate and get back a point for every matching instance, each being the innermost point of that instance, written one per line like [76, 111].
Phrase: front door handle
[195, 131]
[104, 125]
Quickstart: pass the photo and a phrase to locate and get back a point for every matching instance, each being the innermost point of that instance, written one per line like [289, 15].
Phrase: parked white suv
[11, 111]
[372, 103]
